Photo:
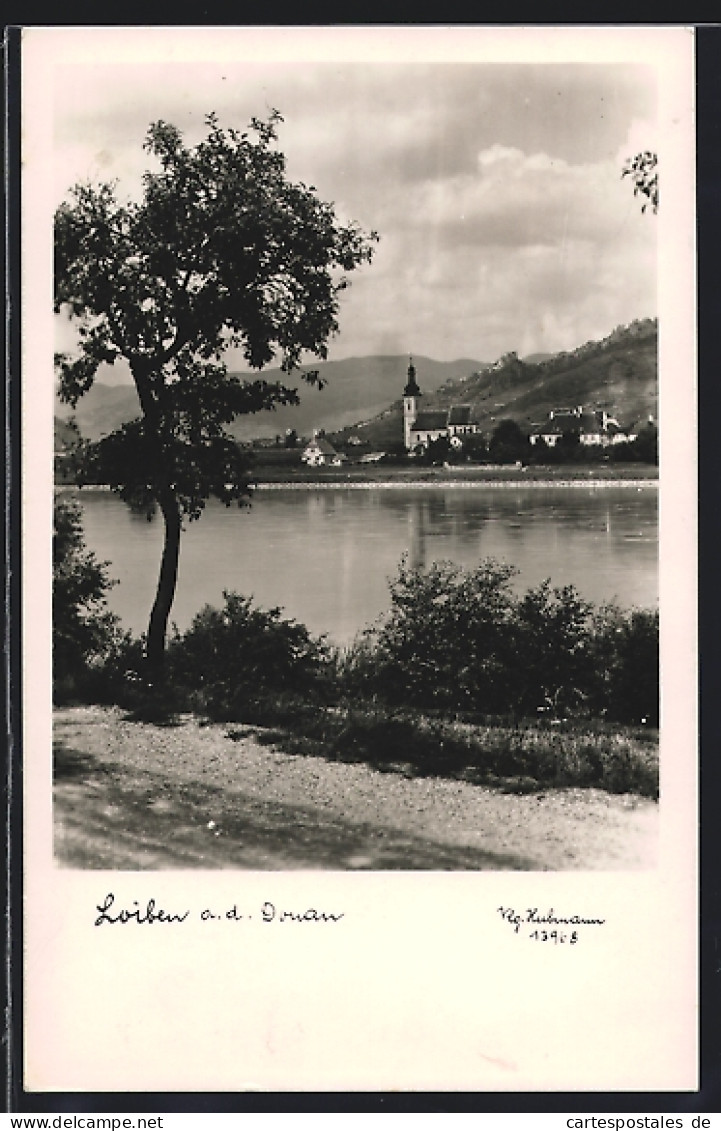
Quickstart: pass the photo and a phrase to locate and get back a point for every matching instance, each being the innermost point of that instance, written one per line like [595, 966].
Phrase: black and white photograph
[362, 465]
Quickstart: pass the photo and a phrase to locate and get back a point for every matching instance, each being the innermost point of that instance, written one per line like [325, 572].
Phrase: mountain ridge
[363, 395]
[618, 373]
[355, 389]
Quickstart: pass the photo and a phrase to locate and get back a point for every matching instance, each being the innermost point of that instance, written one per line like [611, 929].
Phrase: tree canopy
[643, 171]
[221, 251]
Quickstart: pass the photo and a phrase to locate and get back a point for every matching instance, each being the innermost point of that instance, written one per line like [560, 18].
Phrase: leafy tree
[643, 171]
[646, 444]
[474, 446]
[222, 250]
[83, 627]
[568, 448]
[68, 443]
[508, 442]
[239, 651]
[438, 450]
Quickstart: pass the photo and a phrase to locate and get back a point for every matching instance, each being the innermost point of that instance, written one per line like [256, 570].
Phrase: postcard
[359, 550]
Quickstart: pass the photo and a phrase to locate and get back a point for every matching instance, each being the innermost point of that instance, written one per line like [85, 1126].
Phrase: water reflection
[417, 534]
[326, 556]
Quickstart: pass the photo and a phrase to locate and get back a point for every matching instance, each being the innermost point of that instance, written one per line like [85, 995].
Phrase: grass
[517, 754]
[521, 756]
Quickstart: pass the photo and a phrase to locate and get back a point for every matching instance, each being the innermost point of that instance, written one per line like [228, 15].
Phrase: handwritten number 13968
[554, 937]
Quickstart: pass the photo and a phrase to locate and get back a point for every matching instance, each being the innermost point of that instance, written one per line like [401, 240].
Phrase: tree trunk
[158, 626]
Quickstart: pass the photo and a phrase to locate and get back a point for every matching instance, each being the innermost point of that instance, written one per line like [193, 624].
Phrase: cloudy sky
[495, 186]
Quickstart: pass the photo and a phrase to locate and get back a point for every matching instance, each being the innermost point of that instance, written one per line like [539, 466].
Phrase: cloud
[528, 254]
[496, 189]
[514, 199]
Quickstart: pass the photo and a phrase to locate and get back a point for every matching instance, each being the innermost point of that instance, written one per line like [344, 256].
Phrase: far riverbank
[269, 475]
[375, 475]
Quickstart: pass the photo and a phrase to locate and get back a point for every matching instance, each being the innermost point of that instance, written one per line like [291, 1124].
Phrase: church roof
[319, 443]
[429, 421]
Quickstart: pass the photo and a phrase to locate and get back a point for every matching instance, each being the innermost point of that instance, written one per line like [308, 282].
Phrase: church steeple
[411, 389]
[410, 404]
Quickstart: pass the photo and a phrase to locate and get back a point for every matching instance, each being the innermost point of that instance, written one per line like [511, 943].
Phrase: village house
[321, 453]
[592, 427]
[421, 428]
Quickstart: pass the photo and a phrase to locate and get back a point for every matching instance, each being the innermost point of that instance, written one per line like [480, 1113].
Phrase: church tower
[411, 393]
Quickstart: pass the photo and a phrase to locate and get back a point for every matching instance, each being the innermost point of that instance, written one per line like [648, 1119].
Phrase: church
[420, 428]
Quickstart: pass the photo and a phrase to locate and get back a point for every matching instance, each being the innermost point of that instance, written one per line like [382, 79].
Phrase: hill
[362, 395]
[618, 373]
[356, 389]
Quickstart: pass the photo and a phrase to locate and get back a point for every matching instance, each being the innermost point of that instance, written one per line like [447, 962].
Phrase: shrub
[526, 757]
[239, 651]
[85, 632]
[626, 665]
[553, 656]
[445, 642]
[459, 641]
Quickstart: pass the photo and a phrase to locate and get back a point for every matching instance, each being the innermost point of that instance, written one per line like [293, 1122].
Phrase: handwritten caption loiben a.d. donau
[150, 913]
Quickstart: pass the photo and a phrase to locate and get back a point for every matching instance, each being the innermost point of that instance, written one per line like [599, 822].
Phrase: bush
[238, 652]
[445, 641]
[508, 443]
[553, 657]
[459, 641]
[85, 632]
[625, 659]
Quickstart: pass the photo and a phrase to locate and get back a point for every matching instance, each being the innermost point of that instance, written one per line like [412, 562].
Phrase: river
[325, 556]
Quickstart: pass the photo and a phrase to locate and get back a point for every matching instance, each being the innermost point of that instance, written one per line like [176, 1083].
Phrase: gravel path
[132, 795]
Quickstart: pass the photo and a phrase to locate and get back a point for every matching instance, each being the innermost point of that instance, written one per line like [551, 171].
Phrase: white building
[321, 453]
[593, 428]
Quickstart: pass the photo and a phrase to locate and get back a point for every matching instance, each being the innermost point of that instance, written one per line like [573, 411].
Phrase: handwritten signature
[548, 922]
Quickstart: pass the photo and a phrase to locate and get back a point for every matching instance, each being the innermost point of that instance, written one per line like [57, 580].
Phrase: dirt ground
[131, 796]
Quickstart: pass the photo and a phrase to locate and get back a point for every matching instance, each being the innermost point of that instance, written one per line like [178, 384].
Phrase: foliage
[645, 445]
[444, 642]
[475, 446]
[643, 171]
[222, 251]
[460, 640]
[436, 451]
[519, 758]
[552, 668]
[461, 678]
[84, 630]
[238, 652]
[508, 443]
[625, 661]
